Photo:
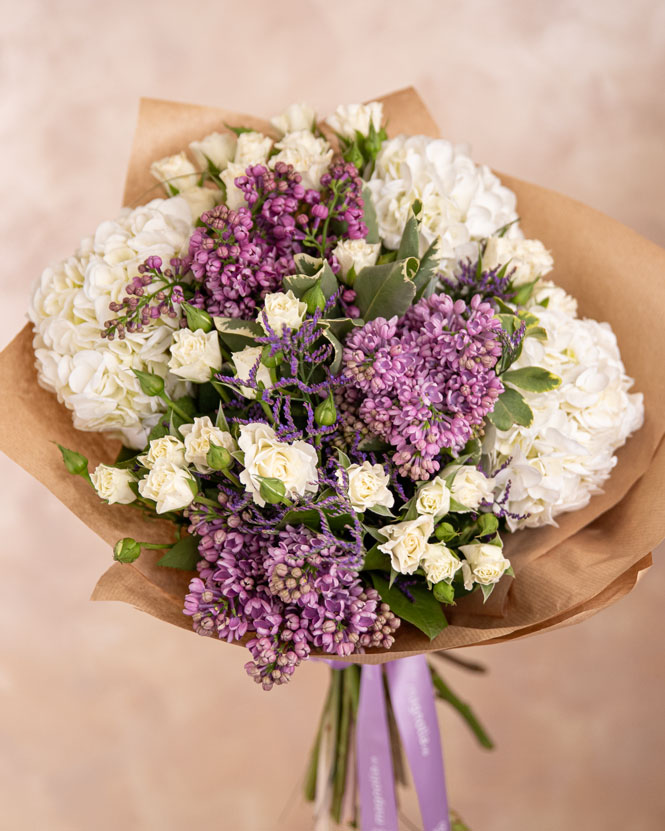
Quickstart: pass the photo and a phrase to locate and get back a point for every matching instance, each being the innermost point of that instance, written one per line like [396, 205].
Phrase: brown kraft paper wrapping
[564, 574]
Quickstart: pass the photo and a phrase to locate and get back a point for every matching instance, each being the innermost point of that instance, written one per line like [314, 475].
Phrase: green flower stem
[176, 409]
[205, 501]
[232, 478]
[266, 409]
[156, 544]
[472, 666]
[444, 692]
[342, 748]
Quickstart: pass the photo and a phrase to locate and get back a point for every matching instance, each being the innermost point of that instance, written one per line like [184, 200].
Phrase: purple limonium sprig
[471, 279]
[427, 381]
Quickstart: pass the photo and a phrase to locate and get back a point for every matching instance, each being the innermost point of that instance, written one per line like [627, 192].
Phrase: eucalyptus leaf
[532, 378]
[236, 333]
[183, 555]
[369, 216]
[425, 612]
[510, 408]
[386, 290]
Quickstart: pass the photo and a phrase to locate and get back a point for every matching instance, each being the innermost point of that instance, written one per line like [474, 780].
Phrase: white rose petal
[217, 149]
[195, 355]
[234, 196]
[282, 309]
[349, 118]
[527, 259]
[201, 200]
[434, 498]
[252, 148]
[439, 563]
[170, 486]
[164, 450]
[368, 486]
[309, 155]
[356, 253]
[244, 361]
[470, 486]
[198, 437]
[485, 564]
[407, 543]
[266, 457]
[295, 117]
[112, 484]
[176, 173]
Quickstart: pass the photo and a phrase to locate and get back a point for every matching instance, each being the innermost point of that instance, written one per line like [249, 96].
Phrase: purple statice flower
[471, 279]
[427, 381]
[153, 292]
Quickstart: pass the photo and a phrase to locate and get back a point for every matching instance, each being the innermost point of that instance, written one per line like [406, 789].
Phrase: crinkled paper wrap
[564, 574]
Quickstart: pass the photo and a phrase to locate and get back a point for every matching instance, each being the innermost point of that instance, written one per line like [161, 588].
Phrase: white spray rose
[217, 149]
[201, 200]
[356, 253]
[244, 361]
[368, 486]
[172, 487]
[295, 117]
[234, 196]
[251, 149]
[470, 486]
[434, 498]
[407, 542]
[349, 118]
[198, 437]
[195, 355]
[176, 173]
[295, 465]
[165, 450]
[309, 155]
[527, 258]
[282, 309]
[112, 484]
[439, 563]
[485, 564]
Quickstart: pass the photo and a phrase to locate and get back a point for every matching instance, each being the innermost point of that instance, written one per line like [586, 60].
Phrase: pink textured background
[110, 720]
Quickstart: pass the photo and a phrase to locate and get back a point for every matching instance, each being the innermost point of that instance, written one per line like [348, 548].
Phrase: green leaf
[343, 459]
[238, 130]
[337, 351]
[510, 408]
[524, 292]
[445, 532]
[386, 290]
[381, 510]
[236, 333]
[310, 272]
[183, 555]
[187, 404]
[409, 245]
[160, 429]
[341, 326]
[487, 591]
[536, 332]
[376, 560]
[532, 378]
[487, 524]
[369, 216]
[424, 612]
[426, 276]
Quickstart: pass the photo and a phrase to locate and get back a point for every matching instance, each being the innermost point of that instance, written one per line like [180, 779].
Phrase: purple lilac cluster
[294, 592]
[141, 305]
[427, 380]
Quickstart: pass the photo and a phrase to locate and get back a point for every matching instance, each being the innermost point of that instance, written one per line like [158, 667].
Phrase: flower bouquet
[340, 406]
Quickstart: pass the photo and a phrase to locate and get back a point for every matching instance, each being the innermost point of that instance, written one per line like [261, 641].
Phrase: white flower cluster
[564, 457]
[93, 376]
[462, 202]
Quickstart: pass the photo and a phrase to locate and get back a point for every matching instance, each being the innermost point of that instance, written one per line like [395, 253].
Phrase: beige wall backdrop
[111, 720]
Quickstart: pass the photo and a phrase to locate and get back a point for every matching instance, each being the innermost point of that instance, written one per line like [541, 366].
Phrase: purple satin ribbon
[376, 781]
[412, 697]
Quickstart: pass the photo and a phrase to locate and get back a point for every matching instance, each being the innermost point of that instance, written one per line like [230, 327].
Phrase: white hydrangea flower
[309, 155]
[91, 375]
[462, 202]
[560, 461]
[349, 118]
